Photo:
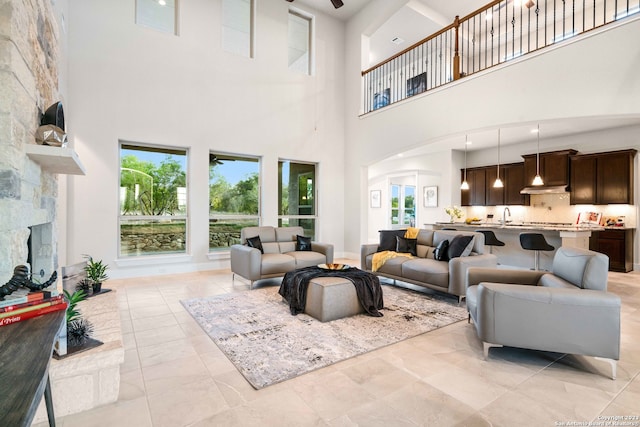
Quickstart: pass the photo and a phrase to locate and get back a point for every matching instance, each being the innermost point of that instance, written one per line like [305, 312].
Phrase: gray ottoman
[331, 298]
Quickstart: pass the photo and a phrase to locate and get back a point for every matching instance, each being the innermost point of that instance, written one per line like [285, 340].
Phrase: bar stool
[490, 239]
[535, 242]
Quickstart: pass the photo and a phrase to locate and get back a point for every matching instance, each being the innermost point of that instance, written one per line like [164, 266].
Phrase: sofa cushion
[255, 242]
[441, 251]
[427, 271]
[303, 243]
[460, 246]
[393, 266]
[266, 233]
[276, 263]
[307, 258]
[404, 245]
[550, 280]
[388, 239]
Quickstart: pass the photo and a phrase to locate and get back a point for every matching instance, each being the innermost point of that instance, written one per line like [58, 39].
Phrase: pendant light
[465, 184]
[537, 180]
[498, 182]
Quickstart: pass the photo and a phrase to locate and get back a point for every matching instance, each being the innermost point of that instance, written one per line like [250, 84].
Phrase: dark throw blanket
[295, 283]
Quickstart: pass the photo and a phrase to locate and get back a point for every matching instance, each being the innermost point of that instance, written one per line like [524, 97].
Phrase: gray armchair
[566, 311]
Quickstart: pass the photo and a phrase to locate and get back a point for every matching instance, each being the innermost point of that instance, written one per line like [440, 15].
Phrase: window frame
[314, 216]
[258, 216]
[186, 217]
[401, 209]
[311, 63]
[252, 28]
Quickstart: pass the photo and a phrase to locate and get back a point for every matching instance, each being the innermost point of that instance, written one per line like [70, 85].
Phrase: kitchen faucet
[504, 215]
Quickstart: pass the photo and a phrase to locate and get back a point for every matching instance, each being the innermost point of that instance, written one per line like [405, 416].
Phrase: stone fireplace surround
[30, 46]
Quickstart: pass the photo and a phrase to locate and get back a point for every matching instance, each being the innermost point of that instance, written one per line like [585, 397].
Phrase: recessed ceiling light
[397, 40]
[534, 130]
[162, 2]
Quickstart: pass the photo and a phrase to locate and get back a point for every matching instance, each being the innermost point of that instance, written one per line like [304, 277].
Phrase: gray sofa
[566, 311]
[280, 255]
[424, 270]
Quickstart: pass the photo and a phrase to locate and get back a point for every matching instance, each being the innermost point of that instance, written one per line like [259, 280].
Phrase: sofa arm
[323, 248]
[576, 321]
[476, 275]
[458, 270]
[365, 251]
[246, 262]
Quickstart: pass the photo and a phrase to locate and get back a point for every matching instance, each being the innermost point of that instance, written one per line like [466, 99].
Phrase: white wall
[127, 82]
[594, 76]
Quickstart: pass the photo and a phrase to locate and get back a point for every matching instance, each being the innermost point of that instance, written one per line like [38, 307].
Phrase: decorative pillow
[441, 251]
[404, 245]
[254, 242]
[388, 239]
[460, 246]
[303, 243]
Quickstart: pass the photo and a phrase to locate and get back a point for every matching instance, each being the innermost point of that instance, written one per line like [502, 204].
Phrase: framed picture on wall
[376, 198]
[430, 197]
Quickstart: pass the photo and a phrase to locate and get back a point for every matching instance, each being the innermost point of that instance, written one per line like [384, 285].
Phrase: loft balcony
[495, 34]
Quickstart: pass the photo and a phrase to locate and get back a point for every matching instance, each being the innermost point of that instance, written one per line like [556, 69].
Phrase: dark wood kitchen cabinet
[602, 178]
[554, 167]
[495, 196]
[513, 183]
[617, 245]
[475, 195]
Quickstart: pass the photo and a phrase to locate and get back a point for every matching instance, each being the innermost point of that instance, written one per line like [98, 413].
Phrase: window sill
[153, 260]
[219, 256]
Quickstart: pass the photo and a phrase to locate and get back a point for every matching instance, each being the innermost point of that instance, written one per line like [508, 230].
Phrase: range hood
[544, 189]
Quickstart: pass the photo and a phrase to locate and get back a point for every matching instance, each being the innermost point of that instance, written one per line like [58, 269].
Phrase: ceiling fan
[336, 3]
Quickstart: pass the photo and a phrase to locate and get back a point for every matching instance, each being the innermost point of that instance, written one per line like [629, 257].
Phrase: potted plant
[78, 329]
[96, 273]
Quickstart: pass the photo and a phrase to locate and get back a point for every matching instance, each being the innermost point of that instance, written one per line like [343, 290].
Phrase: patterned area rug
[268, 345]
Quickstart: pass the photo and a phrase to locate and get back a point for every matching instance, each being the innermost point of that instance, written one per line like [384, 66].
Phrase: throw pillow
[404, 245]
[441, 251]
[460, 246]
[303, 243]
[254, 242]
[388, 239]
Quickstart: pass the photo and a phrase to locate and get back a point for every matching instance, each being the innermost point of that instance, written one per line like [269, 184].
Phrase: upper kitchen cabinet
[602, 178]
[554, 167]
[494, 196]
[513, 183]
[475, 195]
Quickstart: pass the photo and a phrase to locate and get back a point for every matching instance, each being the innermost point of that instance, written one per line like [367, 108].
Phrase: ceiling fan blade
[337, 3]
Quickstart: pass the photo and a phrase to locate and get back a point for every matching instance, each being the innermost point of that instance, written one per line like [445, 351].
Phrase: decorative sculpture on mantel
[21, 278]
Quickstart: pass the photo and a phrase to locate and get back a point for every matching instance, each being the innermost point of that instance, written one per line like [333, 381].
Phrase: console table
[25, 352]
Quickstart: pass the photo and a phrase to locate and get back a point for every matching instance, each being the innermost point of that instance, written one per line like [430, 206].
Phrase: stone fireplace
[29, 55]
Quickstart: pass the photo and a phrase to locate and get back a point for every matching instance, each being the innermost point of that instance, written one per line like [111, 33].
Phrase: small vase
[451, 219]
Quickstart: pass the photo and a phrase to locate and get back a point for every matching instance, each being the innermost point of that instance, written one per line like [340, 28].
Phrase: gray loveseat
[424, 270]
[280, 255]
[566, 311]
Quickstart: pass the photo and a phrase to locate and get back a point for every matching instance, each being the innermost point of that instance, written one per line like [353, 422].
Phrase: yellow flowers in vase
[454, 212]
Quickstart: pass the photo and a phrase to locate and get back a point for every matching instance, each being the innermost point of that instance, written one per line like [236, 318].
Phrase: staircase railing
[496, 33]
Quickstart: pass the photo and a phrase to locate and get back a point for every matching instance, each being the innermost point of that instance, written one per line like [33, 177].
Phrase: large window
[157, 14]
[237, 26]
[403, 207]
[153, 200]
[300, 42]
[297, 196]
[234, 198]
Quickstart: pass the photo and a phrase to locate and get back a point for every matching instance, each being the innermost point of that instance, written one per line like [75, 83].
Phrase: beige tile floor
[174, 376]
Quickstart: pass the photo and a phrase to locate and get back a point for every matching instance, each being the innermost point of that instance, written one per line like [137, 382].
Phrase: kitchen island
[512, 254]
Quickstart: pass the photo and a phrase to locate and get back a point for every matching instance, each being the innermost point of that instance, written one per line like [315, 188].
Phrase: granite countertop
[526, 226]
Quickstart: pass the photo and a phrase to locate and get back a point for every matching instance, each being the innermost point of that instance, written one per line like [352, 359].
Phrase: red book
[35, 296]
[37, 306]
[33, 313]
[29, 304]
